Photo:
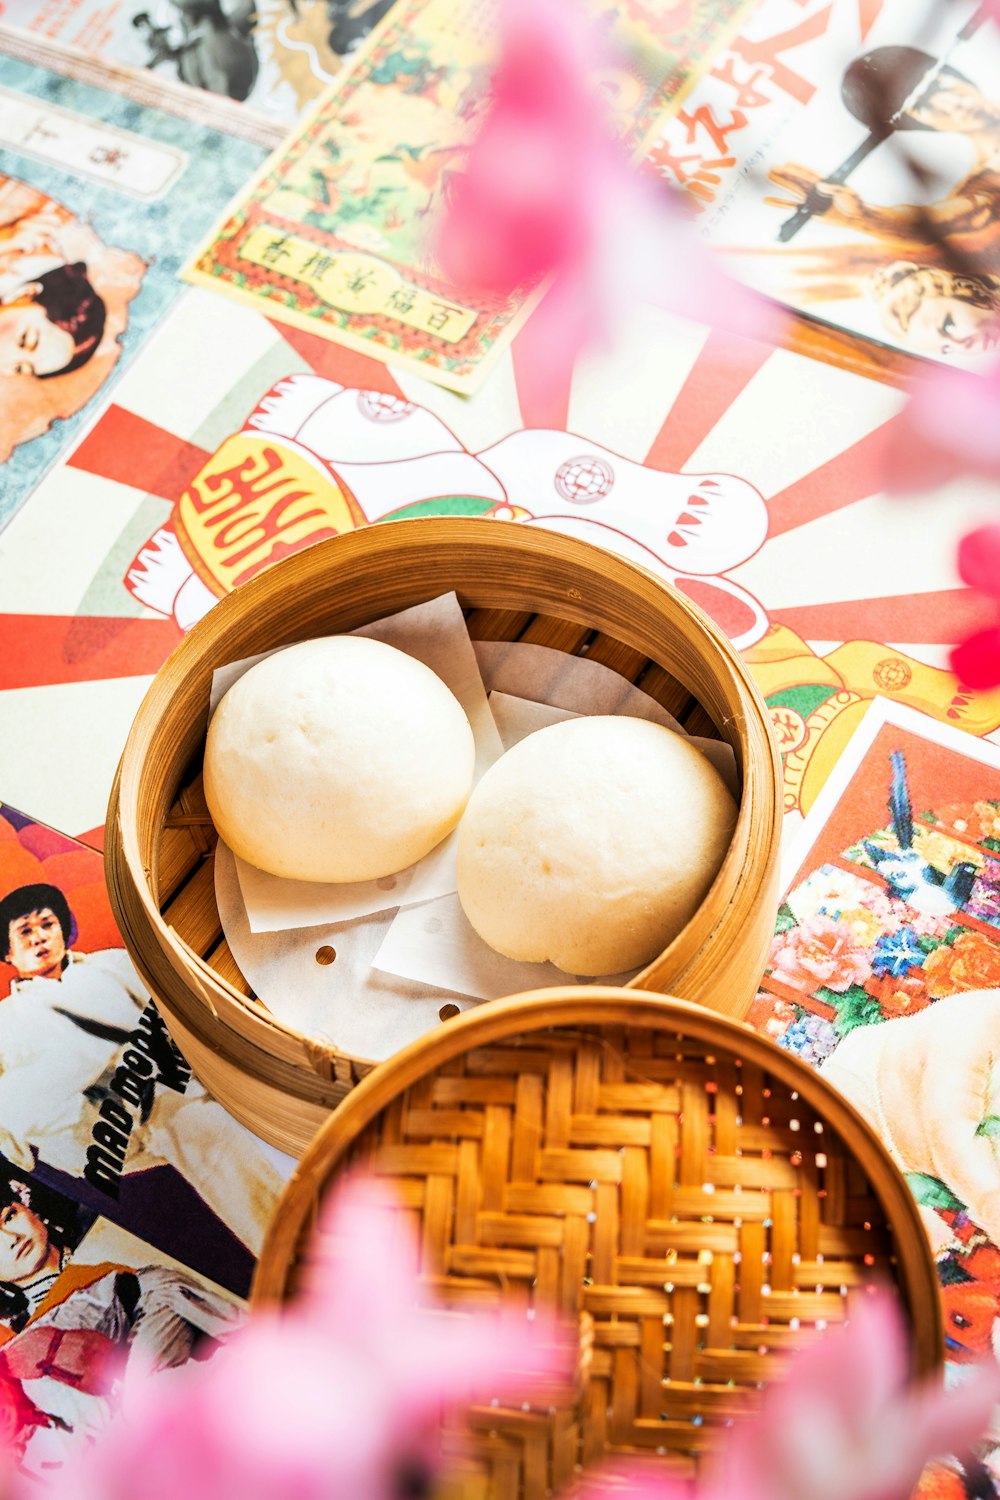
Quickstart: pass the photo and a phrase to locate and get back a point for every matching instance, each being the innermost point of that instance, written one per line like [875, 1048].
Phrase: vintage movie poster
[96, 1102]
[101, 199]
[841, 154]
[676, 447]
[274, 55]
[334, 236]
[884, 974]
[79, 1298]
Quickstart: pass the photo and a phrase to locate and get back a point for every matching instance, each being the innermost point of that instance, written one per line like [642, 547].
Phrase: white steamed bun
[339, 759]
[591, 843]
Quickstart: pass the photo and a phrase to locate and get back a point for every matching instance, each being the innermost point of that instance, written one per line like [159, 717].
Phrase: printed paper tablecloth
[751, 479]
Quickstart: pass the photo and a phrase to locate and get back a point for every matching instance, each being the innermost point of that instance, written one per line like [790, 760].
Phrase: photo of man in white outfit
[68, 1020]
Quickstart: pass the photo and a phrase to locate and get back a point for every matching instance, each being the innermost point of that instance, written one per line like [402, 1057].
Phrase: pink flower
[819, 952]
[843, 1425]
[948, 428]
[338, 1398]
[548, 192]
[527, 202]
[976, 662]
[951, 427]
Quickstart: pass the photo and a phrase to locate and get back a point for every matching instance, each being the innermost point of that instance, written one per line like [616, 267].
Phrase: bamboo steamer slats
[498, 624]
[688, 1250]
[515, 583]
[624, 660]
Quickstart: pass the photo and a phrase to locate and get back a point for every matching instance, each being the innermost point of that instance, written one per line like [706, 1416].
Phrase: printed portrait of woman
[64, 305]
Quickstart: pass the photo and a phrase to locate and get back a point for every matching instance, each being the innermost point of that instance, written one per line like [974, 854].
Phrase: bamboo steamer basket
[515, 583]
[691, 1198]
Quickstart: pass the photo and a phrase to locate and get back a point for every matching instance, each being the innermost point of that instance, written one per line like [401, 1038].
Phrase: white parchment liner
[395, 970]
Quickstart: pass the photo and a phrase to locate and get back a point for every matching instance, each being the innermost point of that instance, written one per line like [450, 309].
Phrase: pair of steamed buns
[589, 844]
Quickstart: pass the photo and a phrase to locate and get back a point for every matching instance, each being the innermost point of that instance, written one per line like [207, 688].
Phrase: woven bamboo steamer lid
[517, 583]
[688, 1195]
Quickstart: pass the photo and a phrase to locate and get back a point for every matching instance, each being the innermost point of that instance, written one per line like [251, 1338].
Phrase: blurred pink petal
[976, 662]
[330, 1399]
[690, 280]
[979, 558]
[646, 251]
[958, 411]
[363, 1291]
[844, 1425]
[526, 203]
[563, 325]
[360, 1241]
[547, 191]
[635, 1481]
[951, 425]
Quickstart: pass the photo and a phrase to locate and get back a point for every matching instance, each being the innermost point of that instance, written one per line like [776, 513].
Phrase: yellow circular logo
[892, 674]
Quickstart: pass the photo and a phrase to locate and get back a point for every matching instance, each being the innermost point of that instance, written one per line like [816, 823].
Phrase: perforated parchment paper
[371, 981]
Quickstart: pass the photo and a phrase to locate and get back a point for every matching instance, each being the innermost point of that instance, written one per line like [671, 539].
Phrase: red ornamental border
[223, 261]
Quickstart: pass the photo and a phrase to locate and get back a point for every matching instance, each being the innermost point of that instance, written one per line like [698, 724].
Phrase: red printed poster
[79, 1296]
[131, 1205]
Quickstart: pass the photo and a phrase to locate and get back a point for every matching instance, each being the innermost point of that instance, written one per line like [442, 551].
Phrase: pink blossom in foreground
[530, 196]
[547, 191]
[339, 1398]
[950, 427]
[843, 1424]
[979, 558]
[976, 662]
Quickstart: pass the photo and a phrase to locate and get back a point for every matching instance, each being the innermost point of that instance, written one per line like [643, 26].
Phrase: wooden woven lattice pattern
[691, 1216]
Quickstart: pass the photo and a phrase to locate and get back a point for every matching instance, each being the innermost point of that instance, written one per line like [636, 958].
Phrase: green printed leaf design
[931, 1192]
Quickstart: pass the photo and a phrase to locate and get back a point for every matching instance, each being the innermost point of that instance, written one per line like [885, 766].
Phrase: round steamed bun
[591, 843]
[338, 759]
